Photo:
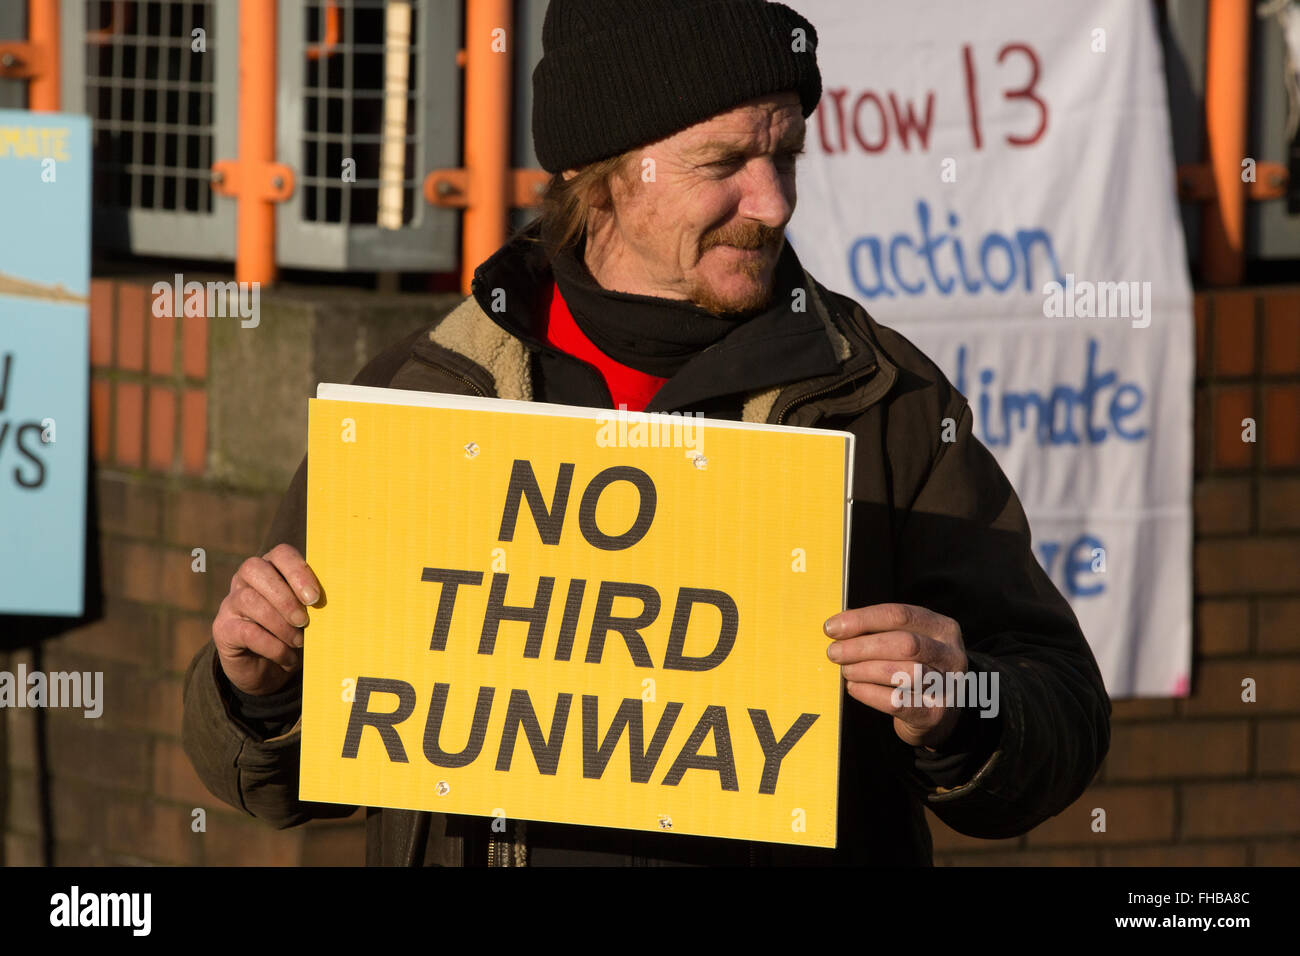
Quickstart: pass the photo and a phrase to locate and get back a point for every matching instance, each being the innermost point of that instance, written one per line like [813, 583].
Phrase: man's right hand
[258, 630]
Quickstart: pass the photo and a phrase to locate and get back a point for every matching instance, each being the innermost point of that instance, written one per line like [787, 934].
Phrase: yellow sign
[597, 618]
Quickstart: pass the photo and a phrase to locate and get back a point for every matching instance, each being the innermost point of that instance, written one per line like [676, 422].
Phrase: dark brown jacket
[935, 524]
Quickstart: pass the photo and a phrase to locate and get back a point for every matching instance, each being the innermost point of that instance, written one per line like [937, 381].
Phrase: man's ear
[569, 174]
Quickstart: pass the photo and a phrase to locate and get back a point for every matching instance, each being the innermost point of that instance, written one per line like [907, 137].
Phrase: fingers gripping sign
[883, 647]
[259, 628]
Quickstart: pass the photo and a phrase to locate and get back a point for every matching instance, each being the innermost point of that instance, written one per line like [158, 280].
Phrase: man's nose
[767, 197]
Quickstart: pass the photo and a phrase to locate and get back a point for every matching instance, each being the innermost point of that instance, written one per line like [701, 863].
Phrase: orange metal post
[43, 33]
[1227, 92]
[487, 130]
[255, 212]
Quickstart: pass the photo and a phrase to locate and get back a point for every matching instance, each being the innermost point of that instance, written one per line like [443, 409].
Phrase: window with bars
[351, 111]
[150, 98]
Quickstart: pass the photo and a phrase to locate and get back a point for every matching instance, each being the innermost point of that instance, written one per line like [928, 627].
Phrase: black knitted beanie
[617, 74]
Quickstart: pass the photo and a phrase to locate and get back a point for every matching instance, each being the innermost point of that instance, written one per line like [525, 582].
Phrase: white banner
[996, 181]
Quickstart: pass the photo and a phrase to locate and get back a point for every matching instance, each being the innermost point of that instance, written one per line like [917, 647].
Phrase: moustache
[754, 235]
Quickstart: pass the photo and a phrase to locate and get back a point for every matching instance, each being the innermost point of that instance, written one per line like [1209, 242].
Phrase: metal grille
[150, 98]
[161, 113]
[343, 111]
[333, 58]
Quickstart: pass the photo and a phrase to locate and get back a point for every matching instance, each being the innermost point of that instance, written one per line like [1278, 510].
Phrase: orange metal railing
[43, 33]
[487, 132]
[486, 188]
[1227, 91]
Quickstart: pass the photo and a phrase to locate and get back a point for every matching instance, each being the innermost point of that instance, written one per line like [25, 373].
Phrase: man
[658, 278]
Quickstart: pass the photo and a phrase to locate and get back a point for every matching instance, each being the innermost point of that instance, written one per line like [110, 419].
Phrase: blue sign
[45, 164]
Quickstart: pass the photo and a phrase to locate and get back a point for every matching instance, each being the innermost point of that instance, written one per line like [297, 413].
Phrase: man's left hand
[873, 644]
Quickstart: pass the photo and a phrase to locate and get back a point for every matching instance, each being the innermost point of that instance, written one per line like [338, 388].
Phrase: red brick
[132, 311]
[1172, 750]
[87, 750]
[162, 428]
[174, 777]
[130, 424]
[1279, 625]
[1222, 628]
[1222, 505]
[1133, 815]
[1279, 504]
[162, 344]
[22, 803]
[232, 842]
[22, 850]
[112, 566]
[127, 633]
[1277, 853]
[1218, 687]
[1234, 566]
[20, 726]
[1281, 332]
[194, 346]
[190, 634]
[1233, 404]
[148, 704]
[1256, 808]
[217, 521]
[1194, 854]
[1142, 708]
[1202, 336]
[101, 323]
[1281, 426]
[1234, 333]
[194, 430]
[1202, 431]
[100, 418]
[1277, 746]
[150, 830]
[183, 587]
[77, 809]
[129, 507]
[142, 572]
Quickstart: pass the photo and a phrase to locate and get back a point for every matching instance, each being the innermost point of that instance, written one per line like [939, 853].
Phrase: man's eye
[730, 162]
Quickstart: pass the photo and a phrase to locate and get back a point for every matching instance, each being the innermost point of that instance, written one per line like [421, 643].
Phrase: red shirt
[627, 386]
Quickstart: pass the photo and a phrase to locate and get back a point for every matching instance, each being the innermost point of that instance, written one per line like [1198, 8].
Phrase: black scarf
[651, 334]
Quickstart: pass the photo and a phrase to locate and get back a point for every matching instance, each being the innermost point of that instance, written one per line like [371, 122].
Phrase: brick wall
[1207, 780]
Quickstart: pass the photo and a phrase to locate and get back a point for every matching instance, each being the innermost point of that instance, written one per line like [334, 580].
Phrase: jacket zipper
[805, 399]
[462, 378]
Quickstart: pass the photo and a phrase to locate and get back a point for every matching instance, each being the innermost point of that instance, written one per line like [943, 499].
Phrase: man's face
[705, 220]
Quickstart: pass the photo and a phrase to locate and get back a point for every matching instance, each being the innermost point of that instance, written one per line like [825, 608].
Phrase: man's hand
[258, 630]
[873, 644]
